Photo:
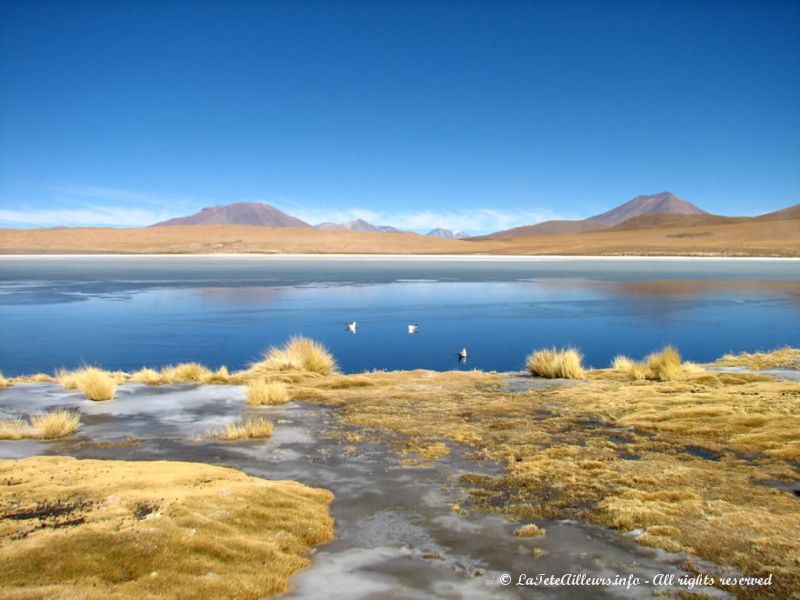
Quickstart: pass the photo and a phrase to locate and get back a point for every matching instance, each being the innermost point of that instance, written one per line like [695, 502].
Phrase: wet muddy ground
[397, 533]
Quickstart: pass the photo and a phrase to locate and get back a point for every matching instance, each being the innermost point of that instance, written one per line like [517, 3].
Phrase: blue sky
[471, 115]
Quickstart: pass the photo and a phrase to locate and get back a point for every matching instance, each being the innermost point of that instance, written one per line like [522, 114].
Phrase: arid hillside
[703, 235]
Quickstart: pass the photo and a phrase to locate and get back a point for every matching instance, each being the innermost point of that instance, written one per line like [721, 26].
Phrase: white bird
[413, 328]
[462, 355]
[351, 327]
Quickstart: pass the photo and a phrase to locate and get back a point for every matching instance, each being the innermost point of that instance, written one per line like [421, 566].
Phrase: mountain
[450, 234]
[357, 225]
[793, 212]
[547, 228]
[239, 213]
[663, 203]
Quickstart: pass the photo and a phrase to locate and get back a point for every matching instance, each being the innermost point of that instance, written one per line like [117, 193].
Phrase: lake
[126, 312]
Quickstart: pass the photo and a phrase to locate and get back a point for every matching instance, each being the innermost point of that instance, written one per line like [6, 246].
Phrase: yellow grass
[665, 365]
[55, 424]
[552, 363]
[98, 529]
[95, 383]
[251, 428]
[147, 377]
[298, 354]
[220, 376]
[59, 423]
[530, 530]
[780, 358]
[185, 373]
[4, 382]
[611, 451]
[67, 379]
[260, 391]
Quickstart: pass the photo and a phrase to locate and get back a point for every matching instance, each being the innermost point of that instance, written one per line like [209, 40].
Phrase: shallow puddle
[397, 533]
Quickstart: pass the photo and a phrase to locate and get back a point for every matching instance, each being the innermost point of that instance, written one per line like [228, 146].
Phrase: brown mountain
[240, 213]
[357, 225]
[546, 228]
[663, 203]
[793, 212]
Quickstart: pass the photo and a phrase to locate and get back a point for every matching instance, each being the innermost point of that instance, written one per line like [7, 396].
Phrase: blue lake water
[129, 312]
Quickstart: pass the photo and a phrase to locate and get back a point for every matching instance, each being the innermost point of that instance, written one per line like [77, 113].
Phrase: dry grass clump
[67, 379]
[220, 376]
[40, 378]
[56, 424]
[551, 363]
[152, 529]
[666, 365]
[299, 354]
[59, 423]
[260, 391]
[4, 382]
[251, 428]
[185, 373]
[530, 530]
[147, 377]
[634, 370]
[95, 383]
[780, 358]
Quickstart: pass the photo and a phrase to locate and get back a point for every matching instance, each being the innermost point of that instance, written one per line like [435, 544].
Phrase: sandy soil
[754, 238]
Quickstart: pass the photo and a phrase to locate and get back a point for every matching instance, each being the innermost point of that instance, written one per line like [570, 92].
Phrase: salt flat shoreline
[402, 257]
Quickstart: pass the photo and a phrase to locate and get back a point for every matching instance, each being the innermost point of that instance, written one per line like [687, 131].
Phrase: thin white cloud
[87, 216]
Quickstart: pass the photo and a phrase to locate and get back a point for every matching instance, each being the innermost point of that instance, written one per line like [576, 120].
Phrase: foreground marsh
[703, 463]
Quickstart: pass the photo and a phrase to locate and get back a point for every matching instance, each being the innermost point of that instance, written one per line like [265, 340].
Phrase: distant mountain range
[451, 234]
[264, 215]
[657, 210]
[358, 225]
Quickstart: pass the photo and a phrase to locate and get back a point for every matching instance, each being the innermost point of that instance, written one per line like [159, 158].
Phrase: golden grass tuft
[67, 379]
[147, 377]
[530, 530]
[300, 354]
[185, 373]
[785, 357]
[181, 530]
[665, 365]
[220, 376]
[95, 383]
[251, 428]
[551, 363]
[4, 382]
[56, 424]
[59, 423]
[260, 391]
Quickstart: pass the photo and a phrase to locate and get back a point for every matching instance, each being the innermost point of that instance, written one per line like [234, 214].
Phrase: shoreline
[407, 257]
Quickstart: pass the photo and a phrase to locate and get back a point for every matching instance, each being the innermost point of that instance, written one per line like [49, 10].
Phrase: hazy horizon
[469, 116]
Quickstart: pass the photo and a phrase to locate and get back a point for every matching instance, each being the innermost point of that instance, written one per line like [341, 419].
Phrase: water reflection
[151, 314]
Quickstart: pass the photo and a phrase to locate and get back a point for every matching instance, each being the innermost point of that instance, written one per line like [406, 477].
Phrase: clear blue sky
[477, 115]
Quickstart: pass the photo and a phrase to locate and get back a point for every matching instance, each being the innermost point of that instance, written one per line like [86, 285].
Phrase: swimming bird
[462, 355]
[413, 328]
[351, 327]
